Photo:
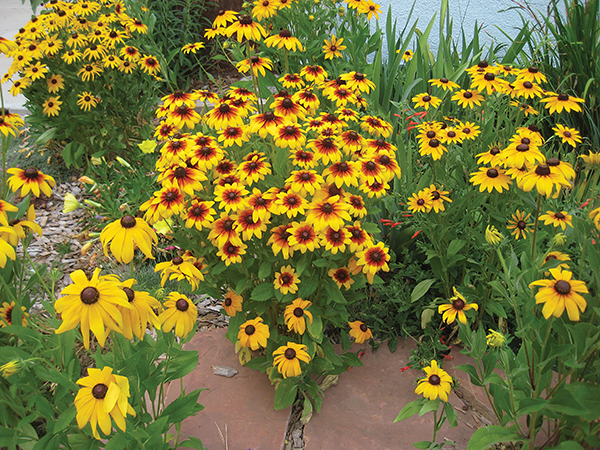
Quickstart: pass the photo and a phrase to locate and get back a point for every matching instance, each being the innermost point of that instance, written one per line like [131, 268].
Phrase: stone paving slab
[359, 412]
[242, 405]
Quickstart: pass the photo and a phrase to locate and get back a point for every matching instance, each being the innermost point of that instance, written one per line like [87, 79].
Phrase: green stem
[535, 227]
[435, 426]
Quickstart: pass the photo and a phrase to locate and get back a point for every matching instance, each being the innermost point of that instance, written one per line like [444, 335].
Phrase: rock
[224, 371]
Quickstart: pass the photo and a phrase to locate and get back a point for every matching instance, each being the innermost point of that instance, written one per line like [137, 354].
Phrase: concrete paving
[357, 413]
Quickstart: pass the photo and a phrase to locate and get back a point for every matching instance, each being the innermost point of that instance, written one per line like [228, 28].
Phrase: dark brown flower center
[89, 295]
[363, 328]
[451, 134]
[182, 305]
[298, 312]
[467, 94]
[290, 353]
[426, 98]
[376, 256]
[327, 208]
[494, 151]
[528, 85]
[285, 34]
[180, 172]
[420, 202]
[482, 64]
[99, 391]
[552, 162]
[550, 257]
[130, 294]
[228, 225]
[521, 224]
[563, 97]
[492, 173]
[290, 130]
[434, 143]
[224, 108]
[522, 148]
[31, 172]
[250, 330]
[542, 170]
[435, 195]
[128, 221]
[567, 134]
[434, 380]
[341, 275]
[563, 287]
[170, 196]
[559, 215]
[227, 302]
[430, 134]
[458, 304]
[489, 76]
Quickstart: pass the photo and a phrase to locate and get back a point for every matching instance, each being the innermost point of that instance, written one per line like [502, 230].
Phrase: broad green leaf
[315, 328]
[285, 394]
[263, 292]
[421, 289]
[493, 434]
[409, 410]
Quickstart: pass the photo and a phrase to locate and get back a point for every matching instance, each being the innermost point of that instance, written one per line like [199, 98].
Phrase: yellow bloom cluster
[87, 38]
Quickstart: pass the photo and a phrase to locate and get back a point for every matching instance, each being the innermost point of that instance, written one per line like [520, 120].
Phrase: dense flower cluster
[71, 47]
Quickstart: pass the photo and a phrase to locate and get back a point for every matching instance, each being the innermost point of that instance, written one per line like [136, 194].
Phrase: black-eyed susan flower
[592, 160]
[6, 314]
[433, 148]
[520, 225]
[102, 396]
[328, 212]
[141, 314]
[557, 219]
[30, 180]
[199, 214]
[232, 253]
[490, 178]
[426, 100]
[245, 28]
[232, 304]
[6, 250]
[247, 226]
[568, 135]
[468, 98]
[92, 303]
[303, 237]
[436, 384]
[4, 208]
[358, 81]
[335, 240]
[295, 313]
[192, 47]
[544, 178]
[557, 102]
[444, 83]
[253, 334]
[279, 241]
[556, 255]
[333, 47]
[51, 107]
[305, 181]
[407, 55]
[287, 359]
[373, 258]
[124, 235]
[370, 8]
[313, 73]
[561, 293]
[492, 157]
[90, 71]
[290, 203]
[87, 101]
[456, 308]
[18, 226]
[438, 196]
[359, 331]
[223, 230]
[525, 88]
[420, 202]
[531, 73]
[55, 83]
[263, 9]
[284, 39]
[180, 268]
[11, 368]
[180, 313]
[342, 277]
[289, 135]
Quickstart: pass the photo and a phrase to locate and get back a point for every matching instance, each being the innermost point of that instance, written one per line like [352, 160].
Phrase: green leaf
[490, 435]
[264, 270]
[263, 292]
[563, 402]
[65, 419]
[430, 405]
[183, 407]
[455, 246]
[321, 262]
[352, 359]
[422, 444]
[334, 293]
[530, 405]
[421, 289]
[285, 394]
[567, 445]
[117, 441]
[182, 363]
[470, 369]
[46, 136]
[315, 328]
[409, 410]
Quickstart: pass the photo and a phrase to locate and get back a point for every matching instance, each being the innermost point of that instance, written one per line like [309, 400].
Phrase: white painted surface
[465, 13]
